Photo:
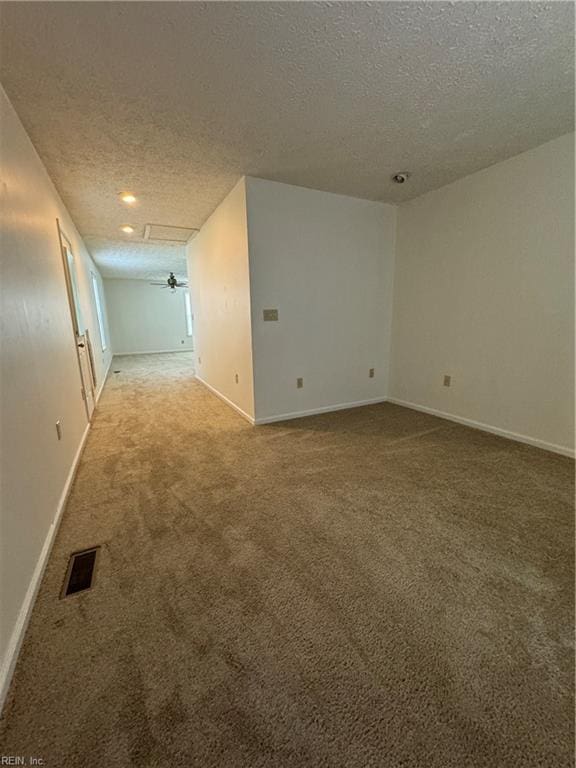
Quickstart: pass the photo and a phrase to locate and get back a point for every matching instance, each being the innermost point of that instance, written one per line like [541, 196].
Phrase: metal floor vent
[80, 571]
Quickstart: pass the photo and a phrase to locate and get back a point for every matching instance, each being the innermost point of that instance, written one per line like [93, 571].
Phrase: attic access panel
[166, 233]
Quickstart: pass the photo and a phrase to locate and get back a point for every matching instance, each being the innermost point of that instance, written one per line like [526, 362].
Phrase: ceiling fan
[172, 283]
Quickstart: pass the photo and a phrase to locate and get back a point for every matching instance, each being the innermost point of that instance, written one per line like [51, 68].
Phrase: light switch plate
[447, 381]
[270, 315]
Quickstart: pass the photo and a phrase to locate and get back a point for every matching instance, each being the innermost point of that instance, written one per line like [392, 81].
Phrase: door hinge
[83, 391]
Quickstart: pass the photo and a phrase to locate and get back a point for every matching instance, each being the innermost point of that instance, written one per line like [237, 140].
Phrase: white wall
[484, 292]
[326, 262]
[220, 290]
[145, 318]
[40, 381]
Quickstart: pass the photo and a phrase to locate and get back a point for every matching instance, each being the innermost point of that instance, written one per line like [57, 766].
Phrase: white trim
[188, 313]
[99, 313]
[561, 449]
[323, 409]
[15, 643]
[101, 387]
[155, 351]
[226, 400]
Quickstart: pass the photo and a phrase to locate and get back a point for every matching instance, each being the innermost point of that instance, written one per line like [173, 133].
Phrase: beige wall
[484, 292]
[40, 382]
[145, 318]
[326, 262]
[220, 291]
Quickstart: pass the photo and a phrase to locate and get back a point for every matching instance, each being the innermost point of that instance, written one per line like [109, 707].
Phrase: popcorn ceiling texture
[145, 261]
[176, 101]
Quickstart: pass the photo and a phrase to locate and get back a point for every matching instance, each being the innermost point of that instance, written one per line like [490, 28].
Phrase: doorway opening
[81, 335]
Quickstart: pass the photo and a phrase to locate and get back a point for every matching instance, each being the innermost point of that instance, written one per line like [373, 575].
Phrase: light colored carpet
[373, 587]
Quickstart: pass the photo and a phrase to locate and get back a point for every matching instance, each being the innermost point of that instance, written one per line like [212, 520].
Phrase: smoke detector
[167, 233]
[401, 177]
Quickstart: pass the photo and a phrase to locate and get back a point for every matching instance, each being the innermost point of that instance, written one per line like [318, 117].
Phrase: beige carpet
[374, 587]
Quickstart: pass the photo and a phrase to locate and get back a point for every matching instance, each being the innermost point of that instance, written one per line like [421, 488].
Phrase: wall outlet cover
[299, 383]
[447, 381]
[371, 373]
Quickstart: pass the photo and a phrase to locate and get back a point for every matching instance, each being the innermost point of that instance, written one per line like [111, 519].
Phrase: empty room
[287, 384]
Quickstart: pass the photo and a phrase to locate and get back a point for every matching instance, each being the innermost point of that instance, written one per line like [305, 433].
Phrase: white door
[86, 374]
[78, 327]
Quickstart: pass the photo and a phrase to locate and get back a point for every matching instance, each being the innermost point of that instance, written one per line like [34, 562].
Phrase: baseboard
[315, 411]
[11, 656]
[153, 352]
[101, 387]
[564, 451]
[222, 397]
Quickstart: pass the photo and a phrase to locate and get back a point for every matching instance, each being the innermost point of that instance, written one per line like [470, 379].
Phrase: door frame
[78, 334]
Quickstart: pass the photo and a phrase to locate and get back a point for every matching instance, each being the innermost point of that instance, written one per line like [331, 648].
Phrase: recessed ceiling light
[127, 229]
[128, 198]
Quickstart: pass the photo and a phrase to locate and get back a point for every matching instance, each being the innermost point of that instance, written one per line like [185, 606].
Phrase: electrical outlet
[299, 383]
[270, 315]
[447, 381]
[59, 429]
[371, 373]
[236, 378]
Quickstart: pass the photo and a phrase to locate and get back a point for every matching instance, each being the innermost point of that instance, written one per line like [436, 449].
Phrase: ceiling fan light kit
[172, 283]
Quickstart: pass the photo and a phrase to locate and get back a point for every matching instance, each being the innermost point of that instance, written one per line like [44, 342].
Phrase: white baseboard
[293, 414]
[153, 351]
[315, 411]
[11, 655]
[561, 449]
[226, 400]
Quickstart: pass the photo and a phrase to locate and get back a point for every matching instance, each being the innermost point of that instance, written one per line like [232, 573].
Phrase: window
[188, 307]
[99, 312]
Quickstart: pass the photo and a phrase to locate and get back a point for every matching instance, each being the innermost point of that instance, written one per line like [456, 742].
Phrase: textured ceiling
[175, 101]
[137, 260]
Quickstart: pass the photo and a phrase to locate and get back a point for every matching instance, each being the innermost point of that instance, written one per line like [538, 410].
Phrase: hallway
[372, 587]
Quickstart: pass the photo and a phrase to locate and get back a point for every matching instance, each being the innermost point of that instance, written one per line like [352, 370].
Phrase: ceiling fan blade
[157, 283]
